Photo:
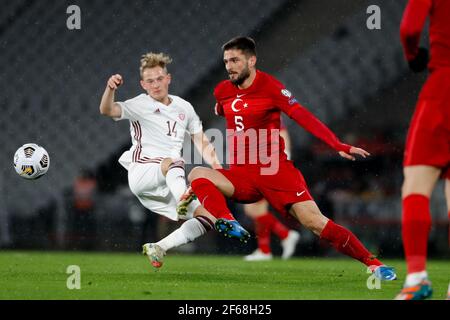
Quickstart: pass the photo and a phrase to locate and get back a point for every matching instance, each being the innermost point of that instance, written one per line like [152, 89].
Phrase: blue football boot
[385, 273]
[232, 229]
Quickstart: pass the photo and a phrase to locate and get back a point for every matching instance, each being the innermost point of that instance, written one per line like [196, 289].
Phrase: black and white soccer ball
[31, 161]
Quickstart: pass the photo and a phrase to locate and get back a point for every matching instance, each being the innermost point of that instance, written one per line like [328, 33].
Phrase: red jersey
[412, 24]
[253, 120]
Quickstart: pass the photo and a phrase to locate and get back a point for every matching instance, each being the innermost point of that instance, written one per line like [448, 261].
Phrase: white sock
[192, 207]
[176, 179]
[188, 232]
[413, 279]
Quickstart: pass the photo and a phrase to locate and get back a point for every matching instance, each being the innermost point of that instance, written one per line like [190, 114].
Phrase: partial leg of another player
[419, 182]
[416, 223]
[265, 223]
[309, 215]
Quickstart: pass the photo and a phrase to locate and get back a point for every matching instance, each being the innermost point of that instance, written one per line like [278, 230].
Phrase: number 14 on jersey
[172, 131]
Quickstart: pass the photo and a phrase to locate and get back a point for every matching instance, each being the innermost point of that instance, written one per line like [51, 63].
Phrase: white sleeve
[195, 124]
[128, 111]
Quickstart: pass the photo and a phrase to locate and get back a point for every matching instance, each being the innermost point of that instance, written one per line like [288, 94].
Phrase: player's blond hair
[151, 60]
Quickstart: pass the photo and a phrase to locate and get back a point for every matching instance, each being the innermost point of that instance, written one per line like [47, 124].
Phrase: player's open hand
[115, 81]
[354, 151]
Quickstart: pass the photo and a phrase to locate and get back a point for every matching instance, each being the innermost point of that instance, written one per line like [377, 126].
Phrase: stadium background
[51, 81]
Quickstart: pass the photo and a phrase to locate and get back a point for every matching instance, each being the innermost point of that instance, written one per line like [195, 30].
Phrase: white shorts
[148, 184]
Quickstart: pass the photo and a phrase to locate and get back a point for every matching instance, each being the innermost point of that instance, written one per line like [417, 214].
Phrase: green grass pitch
[42, 275]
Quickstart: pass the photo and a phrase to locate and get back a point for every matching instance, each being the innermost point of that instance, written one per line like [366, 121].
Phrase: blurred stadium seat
[346, 67]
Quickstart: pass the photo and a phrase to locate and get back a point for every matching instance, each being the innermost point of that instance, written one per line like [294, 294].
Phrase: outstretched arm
[313, 125]
[206, 149]
[286, 102]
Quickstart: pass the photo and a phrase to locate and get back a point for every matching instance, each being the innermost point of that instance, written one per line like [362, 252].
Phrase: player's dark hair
[246, 44]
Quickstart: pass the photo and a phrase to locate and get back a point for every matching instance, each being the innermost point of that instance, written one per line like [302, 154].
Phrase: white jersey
[157, 131]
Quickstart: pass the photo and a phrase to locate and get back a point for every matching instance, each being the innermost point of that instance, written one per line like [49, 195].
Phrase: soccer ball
[31, 161]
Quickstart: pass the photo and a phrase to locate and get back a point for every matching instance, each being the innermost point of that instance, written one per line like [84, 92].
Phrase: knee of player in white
[176, 179]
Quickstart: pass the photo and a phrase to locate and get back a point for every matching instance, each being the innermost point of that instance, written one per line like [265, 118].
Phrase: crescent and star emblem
[233, 105]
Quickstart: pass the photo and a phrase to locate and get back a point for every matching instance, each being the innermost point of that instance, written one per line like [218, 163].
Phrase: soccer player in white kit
[156, 175]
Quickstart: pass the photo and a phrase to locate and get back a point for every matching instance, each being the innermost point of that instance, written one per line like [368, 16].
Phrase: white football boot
[258, 255]
[154, 253]
[289, 244]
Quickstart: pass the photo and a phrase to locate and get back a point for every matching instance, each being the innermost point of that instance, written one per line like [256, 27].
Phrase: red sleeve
[284, 100]
[412, 24]
[314, 126]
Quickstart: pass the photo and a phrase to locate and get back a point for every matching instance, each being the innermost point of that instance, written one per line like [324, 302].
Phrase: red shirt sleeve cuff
[344, 147]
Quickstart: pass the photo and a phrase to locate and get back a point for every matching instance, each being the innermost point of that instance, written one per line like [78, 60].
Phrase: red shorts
[281, 189]
[428, 141]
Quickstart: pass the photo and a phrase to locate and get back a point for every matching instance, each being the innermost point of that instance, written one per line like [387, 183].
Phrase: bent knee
[309, 215]
[197, 173]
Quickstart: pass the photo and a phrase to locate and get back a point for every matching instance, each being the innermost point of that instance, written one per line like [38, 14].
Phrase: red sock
[211, 198]
[416, 224]
[262, 230]
[346, 242]
[274, 225]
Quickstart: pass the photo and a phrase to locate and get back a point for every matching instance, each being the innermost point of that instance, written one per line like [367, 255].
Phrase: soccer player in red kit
[251, 102]
[427, 151]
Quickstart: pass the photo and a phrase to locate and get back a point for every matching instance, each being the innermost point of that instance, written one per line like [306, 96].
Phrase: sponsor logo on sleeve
[292, 101]
[286, 93]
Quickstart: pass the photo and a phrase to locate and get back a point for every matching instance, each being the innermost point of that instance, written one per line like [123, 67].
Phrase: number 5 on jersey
[239, 122]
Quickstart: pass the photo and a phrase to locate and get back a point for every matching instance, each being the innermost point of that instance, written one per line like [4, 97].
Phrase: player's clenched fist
[115, 81]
